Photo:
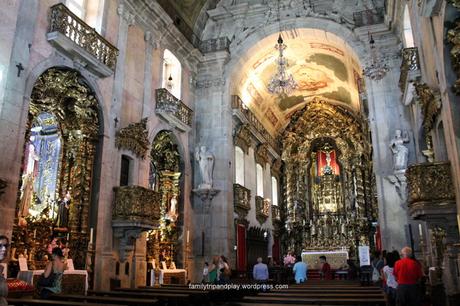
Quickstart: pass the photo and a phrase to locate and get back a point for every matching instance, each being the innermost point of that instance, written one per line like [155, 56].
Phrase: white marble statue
[205, 160]
[400, 151]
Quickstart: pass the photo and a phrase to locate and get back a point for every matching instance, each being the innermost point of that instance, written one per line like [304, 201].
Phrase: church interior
[157, 145]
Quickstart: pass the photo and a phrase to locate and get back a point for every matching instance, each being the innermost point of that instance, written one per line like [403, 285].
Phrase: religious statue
[27, 193]
[172, 213]
[400, 151]
[62, 218]
[206, 162]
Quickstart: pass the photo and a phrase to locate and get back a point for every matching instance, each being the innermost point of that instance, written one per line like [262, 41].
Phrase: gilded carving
[430, 102]
[262, 156]
[262, 209]
[430, 183]
[453, 37]
[134, 137]
[136, 205]
[410, 62]
[241, 200]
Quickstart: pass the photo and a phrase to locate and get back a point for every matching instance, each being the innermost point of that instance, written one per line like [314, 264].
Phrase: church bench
[33, 302]
[316, 301]
[106, 299]
[169, 298]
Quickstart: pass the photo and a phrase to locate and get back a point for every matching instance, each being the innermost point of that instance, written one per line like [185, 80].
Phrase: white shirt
[390, 278]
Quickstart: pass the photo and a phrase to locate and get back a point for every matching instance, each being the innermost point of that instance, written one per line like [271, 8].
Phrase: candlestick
[91, 236]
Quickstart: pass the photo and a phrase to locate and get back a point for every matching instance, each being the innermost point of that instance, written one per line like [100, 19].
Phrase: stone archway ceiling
[322, 64]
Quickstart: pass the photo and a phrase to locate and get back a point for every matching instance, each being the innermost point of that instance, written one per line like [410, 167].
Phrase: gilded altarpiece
[56, 176]
[329, 190]
[165, 175]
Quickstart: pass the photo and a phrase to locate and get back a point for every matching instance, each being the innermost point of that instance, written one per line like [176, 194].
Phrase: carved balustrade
[410, 67]
[65, 26]
[250, 118]
[173, 110]
[241, 200]
[431, 191]
[369, 17]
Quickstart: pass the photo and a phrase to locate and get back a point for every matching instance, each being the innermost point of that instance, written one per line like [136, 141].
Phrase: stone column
[13, 112]
[213, 119]
[104, 265]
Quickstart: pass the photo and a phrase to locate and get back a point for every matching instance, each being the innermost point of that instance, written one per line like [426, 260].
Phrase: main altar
[336, 259]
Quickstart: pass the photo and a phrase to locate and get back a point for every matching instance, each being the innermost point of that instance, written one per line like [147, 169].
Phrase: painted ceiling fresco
[321, 64]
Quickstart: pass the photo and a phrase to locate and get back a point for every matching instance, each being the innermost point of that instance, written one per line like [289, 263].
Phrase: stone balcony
[410, 72]
[245, 116]
[431, 190]
[262, 209]
[80, 42]
[135, 210]
[241, 200]
[173, 110]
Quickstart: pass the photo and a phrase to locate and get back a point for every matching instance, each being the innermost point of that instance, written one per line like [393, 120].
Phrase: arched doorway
[54, 201]
[165, 176]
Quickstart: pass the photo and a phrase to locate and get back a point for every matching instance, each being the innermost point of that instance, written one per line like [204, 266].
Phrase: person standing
[260, 271]
[300, 271]
[407, 272]
[389, 278]
[4, 244]
[205, 273]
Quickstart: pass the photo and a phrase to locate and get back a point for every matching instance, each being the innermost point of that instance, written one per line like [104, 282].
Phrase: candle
[420, 230]
[35, 233]
[91, 236]
[68, 236]
[188, 236]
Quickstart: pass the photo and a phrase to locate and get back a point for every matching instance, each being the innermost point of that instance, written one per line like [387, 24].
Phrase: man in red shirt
[407, 272]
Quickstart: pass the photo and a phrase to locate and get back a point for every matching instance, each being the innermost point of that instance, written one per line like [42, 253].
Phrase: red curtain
[241, 247]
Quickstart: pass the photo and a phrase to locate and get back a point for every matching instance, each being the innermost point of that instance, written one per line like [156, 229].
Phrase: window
[90, 11]
[172, 74]
[239, 166]
[274, 191]
[407, 29]
[260, 180]
[124, 173]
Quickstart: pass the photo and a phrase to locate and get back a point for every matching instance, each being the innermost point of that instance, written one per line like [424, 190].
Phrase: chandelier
[378, 69]
[281, 83]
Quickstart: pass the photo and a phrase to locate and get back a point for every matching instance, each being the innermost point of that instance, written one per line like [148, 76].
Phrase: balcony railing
[173, 110]
[136, 206]
[410, 63]
[276, 214]
[369, 17]
[63, 21]
[431, 189]
[237, 104]
[215, 44]
[262, 209]
[241, 199]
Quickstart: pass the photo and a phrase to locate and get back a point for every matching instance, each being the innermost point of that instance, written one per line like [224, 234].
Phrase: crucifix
[20, 68]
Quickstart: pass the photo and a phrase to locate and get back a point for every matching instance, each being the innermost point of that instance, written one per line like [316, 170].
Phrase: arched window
[90, 11]
[274, 191]
[172, 74]
[407, 29]
[260, 180]
[239, 166]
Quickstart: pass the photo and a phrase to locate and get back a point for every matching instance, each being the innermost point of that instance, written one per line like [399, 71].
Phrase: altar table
[336, 259]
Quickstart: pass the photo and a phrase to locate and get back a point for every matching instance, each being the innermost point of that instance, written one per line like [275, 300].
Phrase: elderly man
[260, 271]
[407, 272]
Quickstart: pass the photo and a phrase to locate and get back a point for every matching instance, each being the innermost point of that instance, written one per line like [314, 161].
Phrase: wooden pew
[105, 299]
[33, 302]
[316, 301]
[168, 298]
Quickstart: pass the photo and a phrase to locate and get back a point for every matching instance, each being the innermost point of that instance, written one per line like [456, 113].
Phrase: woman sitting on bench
[50, 282]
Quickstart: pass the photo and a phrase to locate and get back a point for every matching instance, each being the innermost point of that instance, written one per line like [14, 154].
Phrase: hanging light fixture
[378, 69]
[281, 83]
